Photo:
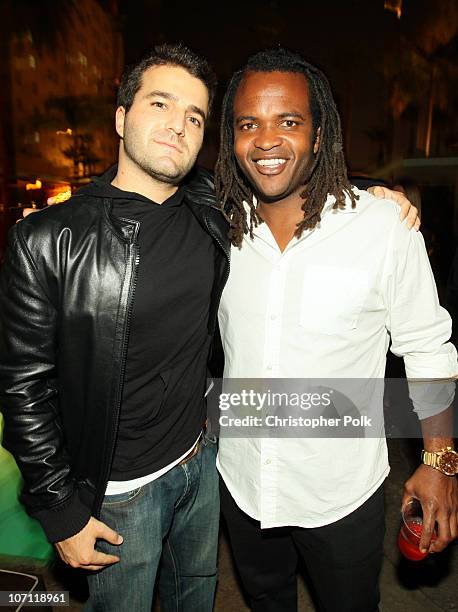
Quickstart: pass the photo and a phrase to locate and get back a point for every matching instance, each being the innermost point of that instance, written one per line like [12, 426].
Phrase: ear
[120, 117]
[316, 146]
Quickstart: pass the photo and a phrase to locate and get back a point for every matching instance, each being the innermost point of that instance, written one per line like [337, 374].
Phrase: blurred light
[31, 186]
[59, 194]
[67, 132]
[60, 197]
[395, 6]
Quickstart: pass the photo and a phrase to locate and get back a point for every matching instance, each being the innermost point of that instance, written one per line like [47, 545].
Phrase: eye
[289, 123]
[197, 122]
[158, 104]
[245, 127]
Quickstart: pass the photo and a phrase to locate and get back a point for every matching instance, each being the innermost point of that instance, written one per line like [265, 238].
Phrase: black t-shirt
[163, 407]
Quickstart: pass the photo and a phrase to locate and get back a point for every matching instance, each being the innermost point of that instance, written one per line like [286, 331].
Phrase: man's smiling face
[274, 141]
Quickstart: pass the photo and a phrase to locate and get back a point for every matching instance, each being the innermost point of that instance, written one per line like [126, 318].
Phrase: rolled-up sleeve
[420, 327]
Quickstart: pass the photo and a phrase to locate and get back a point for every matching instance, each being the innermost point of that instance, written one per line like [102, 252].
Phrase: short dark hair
[328, 174]
[166, 55]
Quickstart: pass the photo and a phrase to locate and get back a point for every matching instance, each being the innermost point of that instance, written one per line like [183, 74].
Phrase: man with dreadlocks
[322, 274]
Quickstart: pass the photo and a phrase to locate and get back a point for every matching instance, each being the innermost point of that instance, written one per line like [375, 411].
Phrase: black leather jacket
[66, 294]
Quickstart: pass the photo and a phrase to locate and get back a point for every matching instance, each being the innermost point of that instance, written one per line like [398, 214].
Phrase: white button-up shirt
[326, 308]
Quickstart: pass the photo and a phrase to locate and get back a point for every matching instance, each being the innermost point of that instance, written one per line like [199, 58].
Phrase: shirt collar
[328, 206]
[263, 232]
[330, 201]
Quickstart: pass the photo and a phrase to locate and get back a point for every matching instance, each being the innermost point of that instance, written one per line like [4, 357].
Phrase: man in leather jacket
[108, 306]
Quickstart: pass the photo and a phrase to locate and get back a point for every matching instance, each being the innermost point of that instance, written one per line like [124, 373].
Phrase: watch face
[448, 463]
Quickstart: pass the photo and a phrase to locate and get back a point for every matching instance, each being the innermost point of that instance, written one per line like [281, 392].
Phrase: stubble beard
[171, 174]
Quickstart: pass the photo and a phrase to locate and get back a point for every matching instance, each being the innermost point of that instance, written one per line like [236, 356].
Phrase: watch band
[429, 458]
[445, 460]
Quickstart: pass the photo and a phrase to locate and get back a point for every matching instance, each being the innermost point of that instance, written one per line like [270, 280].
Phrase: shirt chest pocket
[332, 298]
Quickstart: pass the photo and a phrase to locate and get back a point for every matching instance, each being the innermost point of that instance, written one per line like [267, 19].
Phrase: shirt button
[269, 366]
[268, 462]
[273, 317]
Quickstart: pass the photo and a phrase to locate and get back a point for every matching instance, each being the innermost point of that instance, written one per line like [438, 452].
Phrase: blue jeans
[173, 520]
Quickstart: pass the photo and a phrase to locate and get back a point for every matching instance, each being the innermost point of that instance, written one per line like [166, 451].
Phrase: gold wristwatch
[444, 460]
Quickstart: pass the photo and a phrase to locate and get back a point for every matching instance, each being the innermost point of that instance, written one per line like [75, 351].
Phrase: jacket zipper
[134, 260]
[133, 263]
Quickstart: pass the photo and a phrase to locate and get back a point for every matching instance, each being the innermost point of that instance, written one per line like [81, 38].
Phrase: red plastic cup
[410, 532]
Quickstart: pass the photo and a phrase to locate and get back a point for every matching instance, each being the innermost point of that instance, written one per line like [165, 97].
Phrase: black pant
[343, 559]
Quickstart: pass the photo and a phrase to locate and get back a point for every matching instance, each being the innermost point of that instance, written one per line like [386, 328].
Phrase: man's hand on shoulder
[407, 209]
[49, 202]
[79, 550]
[26, 212]
[438, 495]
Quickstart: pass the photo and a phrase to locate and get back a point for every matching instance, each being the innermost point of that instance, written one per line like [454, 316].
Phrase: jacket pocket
[152, 411]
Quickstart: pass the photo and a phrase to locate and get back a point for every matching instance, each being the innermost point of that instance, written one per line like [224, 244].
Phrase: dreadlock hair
[328, 172]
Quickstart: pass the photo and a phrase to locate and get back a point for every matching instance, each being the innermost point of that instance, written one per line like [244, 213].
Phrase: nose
[176, 122]
[267, 138]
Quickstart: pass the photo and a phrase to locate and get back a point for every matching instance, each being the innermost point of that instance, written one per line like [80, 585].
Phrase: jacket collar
[199, 193]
